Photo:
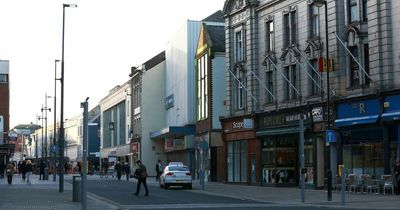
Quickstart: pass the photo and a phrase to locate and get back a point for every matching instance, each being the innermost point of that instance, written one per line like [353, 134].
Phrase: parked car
[176, 175]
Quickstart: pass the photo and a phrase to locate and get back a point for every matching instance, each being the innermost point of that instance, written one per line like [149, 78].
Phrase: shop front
[242, 150]
[279, 133]
[391, 119]
[363, 140]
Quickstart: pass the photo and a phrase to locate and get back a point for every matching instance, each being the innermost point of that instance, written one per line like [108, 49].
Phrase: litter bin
[76, 188]
[46, 174]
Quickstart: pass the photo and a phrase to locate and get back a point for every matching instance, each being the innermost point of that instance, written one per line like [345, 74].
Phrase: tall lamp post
[61, 142]
[41, 137]
[320, 3]
[55, 120]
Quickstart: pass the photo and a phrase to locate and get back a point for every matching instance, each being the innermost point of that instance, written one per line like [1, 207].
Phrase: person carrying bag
[141, 174]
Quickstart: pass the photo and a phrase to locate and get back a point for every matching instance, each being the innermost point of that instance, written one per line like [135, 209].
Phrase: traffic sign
[330, 136]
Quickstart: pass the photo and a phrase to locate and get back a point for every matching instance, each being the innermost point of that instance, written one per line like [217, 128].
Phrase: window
[290, 73]
[289, 29]
[365, 10]
[3, 78]
[314, 89]
[202, 95]
[270, 41]
[270, 85]
[239, 46]
[353, 10]
[239, 89]
[286, 31]
[366, 63]
[314, 21]
[354, 68]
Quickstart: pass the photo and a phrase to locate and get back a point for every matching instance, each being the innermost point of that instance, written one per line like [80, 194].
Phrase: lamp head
[70, 5]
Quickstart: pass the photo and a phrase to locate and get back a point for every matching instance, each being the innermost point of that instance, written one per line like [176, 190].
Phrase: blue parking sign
[330, 136]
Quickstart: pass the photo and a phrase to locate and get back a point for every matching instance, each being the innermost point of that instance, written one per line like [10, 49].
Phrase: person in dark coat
[2, 168]
[28, 171]
[118, 169]
[397, 176]
[141, 173]
[159, 169]
[127, 170]
[23, 169]
[41, 170]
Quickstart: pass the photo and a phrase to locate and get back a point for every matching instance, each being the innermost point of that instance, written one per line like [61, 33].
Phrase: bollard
[76, 189]
[343, 182]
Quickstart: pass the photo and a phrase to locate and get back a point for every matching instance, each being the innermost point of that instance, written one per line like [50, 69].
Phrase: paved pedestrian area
[45, 195]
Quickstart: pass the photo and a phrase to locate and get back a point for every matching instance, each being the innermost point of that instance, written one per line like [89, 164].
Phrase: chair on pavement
[352, 183]
[370, 185]
[388, 183]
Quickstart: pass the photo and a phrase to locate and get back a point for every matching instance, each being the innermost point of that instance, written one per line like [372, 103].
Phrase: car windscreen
[177, 168]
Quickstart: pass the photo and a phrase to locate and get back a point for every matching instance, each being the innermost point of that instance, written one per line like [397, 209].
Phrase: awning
[279, 131]
[356, 120]
[390, 116]
[173, 131]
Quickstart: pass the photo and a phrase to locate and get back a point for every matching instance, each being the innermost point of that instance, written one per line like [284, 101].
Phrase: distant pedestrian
[66, 168]
[397, 176]
[23, 169]
[10, 170]
[29, 170]
[127, 170]
[19, 167]
[141, 173]
[118, 169]
[159, 169]
[42, 165]
[79, 166]
[2, 168]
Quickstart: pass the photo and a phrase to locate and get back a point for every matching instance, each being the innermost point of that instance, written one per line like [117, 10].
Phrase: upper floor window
[270, 40]
[239, 46]
[291, 75]
[289, 29]
[3, 78]
[353, 11]
[315, 81]
[365, 10]
[239, 91]
[354, 68]
[314, 21]
[202, 88]
[269, 81]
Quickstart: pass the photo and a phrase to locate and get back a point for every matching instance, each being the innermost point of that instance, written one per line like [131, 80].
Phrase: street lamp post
[55, 120]
[320, 3]
[41, 137]
[61, 142]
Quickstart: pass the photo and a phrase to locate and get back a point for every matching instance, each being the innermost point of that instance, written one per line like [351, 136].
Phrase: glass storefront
[279, 160]
[237, 161]
[364, 158]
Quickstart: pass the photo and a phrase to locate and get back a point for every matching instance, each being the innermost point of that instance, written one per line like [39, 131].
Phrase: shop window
[237, 161]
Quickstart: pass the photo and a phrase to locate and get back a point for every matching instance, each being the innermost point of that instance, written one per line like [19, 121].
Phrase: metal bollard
[76, 189]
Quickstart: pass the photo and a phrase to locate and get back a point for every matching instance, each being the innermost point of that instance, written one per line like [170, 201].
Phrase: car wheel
[189, 186]
[165, 186]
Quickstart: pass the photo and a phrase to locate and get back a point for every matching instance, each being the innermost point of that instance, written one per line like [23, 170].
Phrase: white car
[176, 175]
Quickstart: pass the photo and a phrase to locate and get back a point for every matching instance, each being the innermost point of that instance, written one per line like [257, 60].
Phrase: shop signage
[317, 114]
[244, 123]
[169, 144]
[135, 147]
[359, 108]
[281, 119]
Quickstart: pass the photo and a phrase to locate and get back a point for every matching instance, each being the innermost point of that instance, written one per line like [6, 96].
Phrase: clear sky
[103, 40]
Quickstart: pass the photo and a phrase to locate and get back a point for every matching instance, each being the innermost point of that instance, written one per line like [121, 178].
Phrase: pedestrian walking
[23, 169]
[2, 168]
[159, 169]
[141, 174]
[118, 169]
[397, 176]
[41, 170]
[127, 171]
[28, 170]
[10, 170]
